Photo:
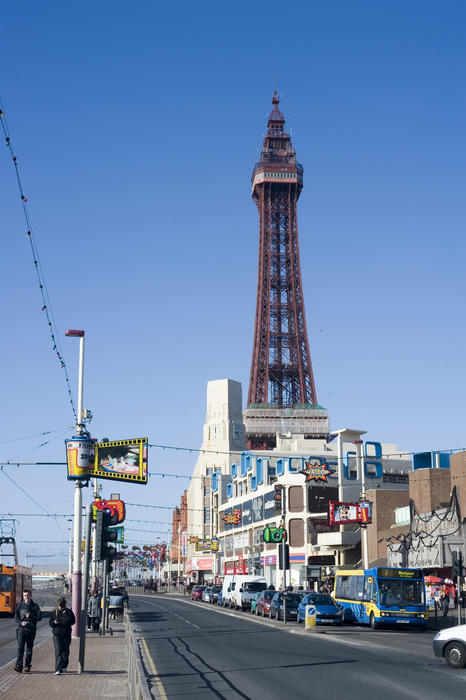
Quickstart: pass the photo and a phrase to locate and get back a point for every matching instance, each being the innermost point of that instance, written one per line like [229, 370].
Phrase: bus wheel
[373, 624]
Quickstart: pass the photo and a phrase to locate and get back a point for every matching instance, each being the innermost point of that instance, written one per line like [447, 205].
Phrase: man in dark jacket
[27, 615]
[61, 621]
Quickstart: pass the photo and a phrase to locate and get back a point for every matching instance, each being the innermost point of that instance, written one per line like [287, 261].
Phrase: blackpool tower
[282, 396]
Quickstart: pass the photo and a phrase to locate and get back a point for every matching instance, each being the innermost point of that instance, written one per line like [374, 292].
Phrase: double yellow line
[157, 680]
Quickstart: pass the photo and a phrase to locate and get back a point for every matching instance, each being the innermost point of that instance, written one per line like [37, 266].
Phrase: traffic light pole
[104, 596]
[283, 543]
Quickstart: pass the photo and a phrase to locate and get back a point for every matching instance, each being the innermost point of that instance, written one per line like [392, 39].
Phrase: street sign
[120, 534]
[113, 507]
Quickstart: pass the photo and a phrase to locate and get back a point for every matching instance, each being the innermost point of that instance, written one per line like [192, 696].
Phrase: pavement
[105, 671]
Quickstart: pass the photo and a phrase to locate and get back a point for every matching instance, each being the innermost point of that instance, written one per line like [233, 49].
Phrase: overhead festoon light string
[46, 305]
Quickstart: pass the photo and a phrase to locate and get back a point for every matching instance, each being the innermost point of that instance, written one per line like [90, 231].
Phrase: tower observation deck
[282, 396]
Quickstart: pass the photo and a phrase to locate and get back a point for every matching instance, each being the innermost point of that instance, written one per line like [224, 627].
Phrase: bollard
[310, 618]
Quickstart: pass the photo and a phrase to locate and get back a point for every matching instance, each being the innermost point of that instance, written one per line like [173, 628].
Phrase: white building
[222, 444]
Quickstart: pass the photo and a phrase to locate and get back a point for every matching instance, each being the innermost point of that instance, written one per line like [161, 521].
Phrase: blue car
[327, 611]
[276, 606]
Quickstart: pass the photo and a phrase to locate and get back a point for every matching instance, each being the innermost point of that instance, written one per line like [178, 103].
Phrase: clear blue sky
[136, 127]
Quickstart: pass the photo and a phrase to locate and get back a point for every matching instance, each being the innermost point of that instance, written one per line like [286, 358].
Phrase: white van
[228, 588]
[246, 588]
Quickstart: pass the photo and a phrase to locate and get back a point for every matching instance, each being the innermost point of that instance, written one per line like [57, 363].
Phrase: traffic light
[104, 535]
[285, 547]
[274, 534]
[457, 563]
[277, 497]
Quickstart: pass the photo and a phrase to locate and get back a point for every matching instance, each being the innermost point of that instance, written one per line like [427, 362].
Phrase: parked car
[215, 590]
[254, 602]
[327, 611]
[263, 603]
[292, 602]
[206, 593]
[196, 592]
[450, 644]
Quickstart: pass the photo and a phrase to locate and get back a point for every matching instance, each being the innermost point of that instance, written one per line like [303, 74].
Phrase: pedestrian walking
[61, 622]
[444, 603]
[27, 615]
[94, 612]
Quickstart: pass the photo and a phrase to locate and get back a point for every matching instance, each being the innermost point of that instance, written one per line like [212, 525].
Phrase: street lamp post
[77, 574]
[70, 554]
[169, 561]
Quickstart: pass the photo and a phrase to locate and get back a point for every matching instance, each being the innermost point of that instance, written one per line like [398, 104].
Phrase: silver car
[206, 594]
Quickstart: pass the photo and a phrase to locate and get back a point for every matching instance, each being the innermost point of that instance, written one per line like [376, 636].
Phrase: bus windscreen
[399, 592]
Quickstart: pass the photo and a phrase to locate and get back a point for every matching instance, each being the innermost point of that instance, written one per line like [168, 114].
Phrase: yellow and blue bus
[382, 596]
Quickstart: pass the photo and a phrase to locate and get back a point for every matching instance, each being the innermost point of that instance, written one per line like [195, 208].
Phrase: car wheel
[373, 624]
[455, 654]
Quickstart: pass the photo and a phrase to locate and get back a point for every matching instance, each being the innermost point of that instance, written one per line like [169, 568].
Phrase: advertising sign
[247, 513]
[80, 458]
[205, 545]
[113, 507]
[123, 460]
[257, 509]
[315, 470]
[184, 544]
[341, 513]
[269, 505]
[233, 518]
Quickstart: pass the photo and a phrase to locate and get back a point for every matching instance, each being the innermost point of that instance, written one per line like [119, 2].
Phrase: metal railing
[138, 687]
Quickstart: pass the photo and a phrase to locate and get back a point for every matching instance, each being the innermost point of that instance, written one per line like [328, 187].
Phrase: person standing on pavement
[27, 615]
[444, 603]
[61, 621]
[94, 612]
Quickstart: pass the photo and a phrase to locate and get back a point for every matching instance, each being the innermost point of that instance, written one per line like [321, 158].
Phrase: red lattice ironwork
[281, 370]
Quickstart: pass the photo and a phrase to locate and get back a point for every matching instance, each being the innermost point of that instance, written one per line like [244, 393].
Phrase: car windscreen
[268, 595]
[255, 586]
[294, 598]
[320, 599]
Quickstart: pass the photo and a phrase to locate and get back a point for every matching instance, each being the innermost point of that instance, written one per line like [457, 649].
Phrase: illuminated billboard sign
[341, 513]
[122, 460]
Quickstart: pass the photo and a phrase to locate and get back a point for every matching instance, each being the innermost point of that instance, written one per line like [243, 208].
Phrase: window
[206, 490]
[295, 499]
[296, 527]
[6, 583]
[206, 516]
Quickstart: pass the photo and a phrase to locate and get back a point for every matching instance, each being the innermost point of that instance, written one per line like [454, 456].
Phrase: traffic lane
[211, 653]
[412, 640]
[46, 599]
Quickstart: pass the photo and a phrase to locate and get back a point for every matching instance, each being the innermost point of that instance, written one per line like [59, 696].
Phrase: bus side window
[341, 587]
[360, 588]
[370, 592]
[353, 588]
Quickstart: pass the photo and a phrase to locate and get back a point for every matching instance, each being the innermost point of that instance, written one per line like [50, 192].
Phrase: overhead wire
[46, 303]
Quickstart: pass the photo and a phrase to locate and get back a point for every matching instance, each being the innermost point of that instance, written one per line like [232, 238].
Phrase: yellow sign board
[122, 460]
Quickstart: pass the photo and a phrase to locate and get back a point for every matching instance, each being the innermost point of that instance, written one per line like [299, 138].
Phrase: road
[196, 650]
[47, 600]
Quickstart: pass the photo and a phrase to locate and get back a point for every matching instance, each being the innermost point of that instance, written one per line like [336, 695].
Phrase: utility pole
[364, 539]
[283, 546]
[76, 578]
